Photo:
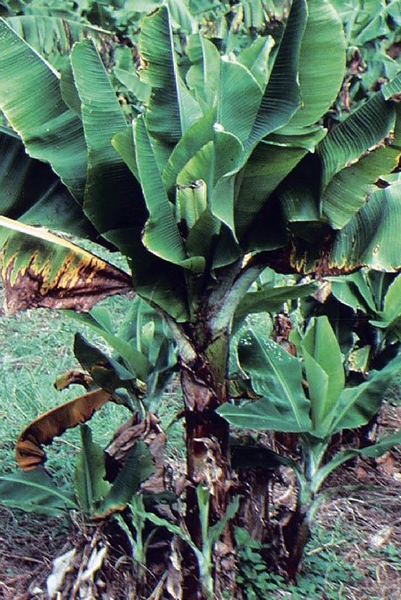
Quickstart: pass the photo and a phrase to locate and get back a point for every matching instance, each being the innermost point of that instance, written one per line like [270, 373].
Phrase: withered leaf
[71, 377]
[40, 269]
[29, 452]
[136, 429]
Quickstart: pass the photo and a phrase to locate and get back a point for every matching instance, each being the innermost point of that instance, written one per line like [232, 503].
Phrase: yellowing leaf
[40, 269]
[29, 452]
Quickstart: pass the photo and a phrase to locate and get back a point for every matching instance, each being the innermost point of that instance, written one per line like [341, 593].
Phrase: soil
[362, 499]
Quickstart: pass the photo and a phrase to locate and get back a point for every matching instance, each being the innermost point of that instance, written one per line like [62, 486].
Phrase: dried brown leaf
[29, 451]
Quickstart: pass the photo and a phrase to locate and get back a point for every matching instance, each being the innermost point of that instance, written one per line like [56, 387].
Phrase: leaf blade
[29, 451]
[30, 97]
[41, 269]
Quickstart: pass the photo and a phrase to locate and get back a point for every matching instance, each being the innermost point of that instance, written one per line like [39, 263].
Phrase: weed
[324, 575]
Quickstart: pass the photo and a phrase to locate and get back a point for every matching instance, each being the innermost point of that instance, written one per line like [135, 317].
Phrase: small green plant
[308, 395]
[255, 579]
[324, 572]
[210, 535]
[36, 491]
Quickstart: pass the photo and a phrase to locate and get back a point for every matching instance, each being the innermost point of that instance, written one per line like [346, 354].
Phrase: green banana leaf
[172, 108]
[389, 318]
[35, 491]
[203, 236]
[267, 167]
[375, 451]
[130, 79]
[161, 235]
[362, 130]
[321, 64]
[236, 112]
[274, 162]
[145, 330]
[69, 90]
[134, 360]
[32, 192]
[354, 291]
[281, 98]
[357, 405]
[106, 372]
[52, 36]
[371, 237]
[143, 344]
[323, 37]
[277, 377]
[31, 99]
[324, 369]
[257, 58]
[216, 164]
[195, 138]
[191, 203]
[203, 77]
[349, 189]
[272, 298]
[108, 175]
[90, 471]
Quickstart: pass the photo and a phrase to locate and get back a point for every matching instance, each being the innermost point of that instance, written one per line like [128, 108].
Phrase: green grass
[36, 350]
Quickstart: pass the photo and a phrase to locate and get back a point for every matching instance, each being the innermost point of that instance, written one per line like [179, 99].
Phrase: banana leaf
[31, 100]
[277, 377]
[35, 491]
[108, 175]
[41, 269]
[90, 470]
[29, 448]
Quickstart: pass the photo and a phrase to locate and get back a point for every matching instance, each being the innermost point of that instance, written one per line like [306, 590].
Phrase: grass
[36, 350]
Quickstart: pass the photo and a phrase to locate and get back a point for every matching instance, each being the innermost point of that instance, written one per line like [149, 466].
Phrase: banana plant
[363, 309]
[377, 295]
[372, 29]
[308, 395]
[227, 170]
